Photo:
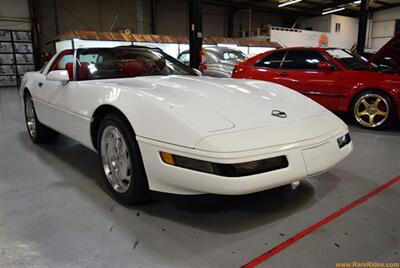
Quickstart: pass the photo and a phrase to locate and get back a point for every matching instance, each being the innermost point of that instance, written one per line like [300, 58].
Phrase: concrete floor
[54, 212]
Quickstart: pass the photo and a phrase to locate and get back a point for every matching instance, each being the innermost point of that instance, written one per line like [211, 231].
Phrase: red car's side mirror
[325, 66]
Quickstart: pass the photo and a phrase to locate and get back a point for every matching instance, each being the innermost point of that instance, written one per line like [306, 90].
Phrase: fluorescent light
[357, 2]
[333, 10]
[289, 3]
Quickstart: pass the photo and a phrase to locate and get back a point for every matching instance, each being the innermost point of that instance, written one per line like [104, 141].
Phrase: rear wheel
[121, 160]
[37, 131]
[374, 110]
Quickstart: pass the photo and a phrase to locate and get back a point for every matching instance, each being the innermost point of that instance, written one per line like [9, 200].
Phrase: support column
[153, 16]
[195, 32]
[33, 13]
[231, 16]
[362, 26]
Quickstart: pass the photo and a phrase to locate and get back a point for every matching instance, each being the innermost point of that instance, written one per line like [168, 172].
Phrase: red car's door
[300, 72]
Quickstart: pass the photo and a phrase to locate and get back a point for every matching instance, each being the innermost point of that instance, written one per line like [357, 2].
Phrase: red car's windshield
[349, 59]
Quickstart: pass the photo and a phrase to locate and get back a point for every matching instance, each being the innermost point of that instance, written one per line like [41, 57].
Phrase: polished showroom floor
[54, 212]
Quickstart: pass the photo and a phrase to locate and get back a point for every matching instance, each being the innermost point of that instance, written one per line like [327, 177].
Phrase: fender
[389, 88]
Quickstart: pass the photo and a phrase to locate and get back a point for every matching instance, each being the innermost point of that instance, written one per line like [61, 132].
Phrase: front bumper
[308, 158]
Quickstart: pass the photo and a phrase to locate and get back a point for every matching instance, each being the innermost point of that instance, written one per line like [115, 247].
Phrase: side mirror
[59, 75]
[325, 66]
[197, 72]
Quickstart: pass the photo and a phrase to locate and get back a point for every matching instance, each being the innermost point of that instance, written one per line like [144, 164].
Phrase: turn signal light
[167, 158]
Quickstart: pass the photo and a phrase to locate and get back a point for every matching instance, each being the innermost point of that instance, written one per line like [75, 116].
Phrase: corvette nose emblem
[278, 113]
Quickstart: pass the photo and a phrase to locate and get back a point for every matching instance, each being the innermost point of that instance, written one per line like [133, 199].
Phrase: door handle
[283, 74]
[40, 84]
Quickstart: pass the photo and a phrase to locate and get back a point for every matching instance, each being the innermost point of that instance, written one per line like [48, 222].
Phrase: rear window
[234, 55]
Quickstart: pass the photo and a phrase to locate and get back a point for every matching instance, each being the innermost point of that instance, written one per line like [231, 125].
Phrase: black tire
[37, 131]
[362, 114]
[138, 189]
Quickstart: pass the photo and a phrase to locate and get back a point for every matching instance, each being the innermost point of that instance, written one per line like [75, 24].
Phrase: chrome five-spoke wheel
[116, 160]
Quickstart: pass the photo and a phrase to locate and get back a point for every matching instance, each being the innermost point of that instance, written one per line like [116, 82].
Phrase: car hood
[239, 103]
[390, 50]
[217, 106]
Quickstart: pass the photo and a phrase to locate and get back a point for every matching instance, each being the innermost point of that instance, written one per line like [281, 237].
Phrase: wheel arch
[99, 114]
[25, 92]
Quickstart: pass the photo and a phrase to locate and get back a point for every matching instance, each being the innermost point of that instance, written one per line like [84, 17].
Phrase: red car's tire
[373, 109]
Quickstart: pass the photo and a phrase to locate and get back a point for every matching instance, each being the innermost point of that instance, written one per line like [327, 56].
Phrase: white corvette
[158, 126]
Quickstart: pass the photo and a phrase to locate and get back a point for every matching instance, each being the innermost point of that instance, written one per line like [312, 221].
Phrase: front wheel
[373, 110]
[121, 161]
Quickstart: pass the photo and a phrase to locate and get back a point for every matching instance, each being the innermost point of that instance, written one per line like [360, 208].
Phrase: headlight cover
[344, 140]
[226, 170]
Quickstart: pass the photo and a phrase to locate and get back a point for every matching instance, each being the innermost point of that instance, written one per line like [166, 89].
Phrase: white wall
[320, 24]
[347, 36]
[14, 15]
[297, 38]
[383, 26]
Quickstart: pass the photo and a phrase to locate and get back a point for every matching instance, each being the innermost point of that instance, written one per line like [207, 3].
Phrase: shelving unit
[16, 56]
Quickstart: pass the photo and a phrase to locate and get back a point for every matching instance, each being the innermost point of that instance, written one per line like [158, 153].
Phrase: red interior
[69, 66]
[84, 70]
[133, 68]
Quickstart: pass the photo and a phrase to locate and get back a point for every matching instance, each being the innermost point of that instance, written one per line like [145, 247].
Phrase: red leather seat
[69, 66]
[84, 72]
[133, 68]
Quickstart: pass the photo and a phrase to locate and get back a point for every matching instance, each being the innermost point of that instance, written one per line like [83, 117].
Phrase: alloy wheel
[115, 159]
[30, 116]
[371, 110]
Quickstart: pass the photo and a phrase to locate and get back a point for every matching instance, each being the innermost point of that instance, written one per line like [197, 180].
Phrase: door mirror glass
[58, 75]
[325, 66]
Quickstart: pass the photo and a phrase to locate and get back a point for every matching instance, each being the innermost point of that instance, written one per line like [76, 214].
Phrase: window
[273, 60]
[234, 55]
[123, 62]
[337, 27]
[302, 60]
[61, 62]
[184, 58]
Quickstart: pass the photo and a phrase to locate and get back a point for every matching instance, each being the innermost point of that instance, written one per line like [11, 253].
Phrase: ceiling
[306, 7]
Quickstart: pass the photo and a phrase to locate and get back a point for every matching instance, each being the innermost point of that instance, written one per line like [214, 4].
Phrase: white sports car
[157, 125]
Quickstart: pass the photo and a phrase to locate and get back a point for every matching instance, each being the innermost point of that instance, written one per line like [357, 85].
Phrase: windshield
[123, 62]
[349, 59]
[234, 55]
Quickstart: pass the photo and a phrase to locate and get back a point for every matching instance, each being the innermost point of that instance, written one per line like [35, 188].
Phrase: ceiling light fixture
[357, 2]
[283, 4]
[333, 10]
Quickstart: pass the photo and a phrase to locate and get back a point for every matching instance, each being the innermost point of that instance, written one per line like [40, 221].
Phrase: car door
[300, 71]
[52, 105]
[267, 68]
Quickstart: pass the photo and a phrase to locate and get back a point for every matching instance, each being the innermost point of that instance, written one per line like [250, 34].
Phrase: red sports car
[338, 79]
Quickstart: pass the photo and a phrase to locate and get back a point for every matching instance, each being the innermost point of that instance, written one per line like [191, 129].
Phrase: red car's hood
[390, 49]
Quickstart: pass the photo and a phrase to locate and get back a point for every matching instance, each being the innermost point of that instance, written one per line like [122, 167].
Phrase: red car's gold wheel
[371, 110]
